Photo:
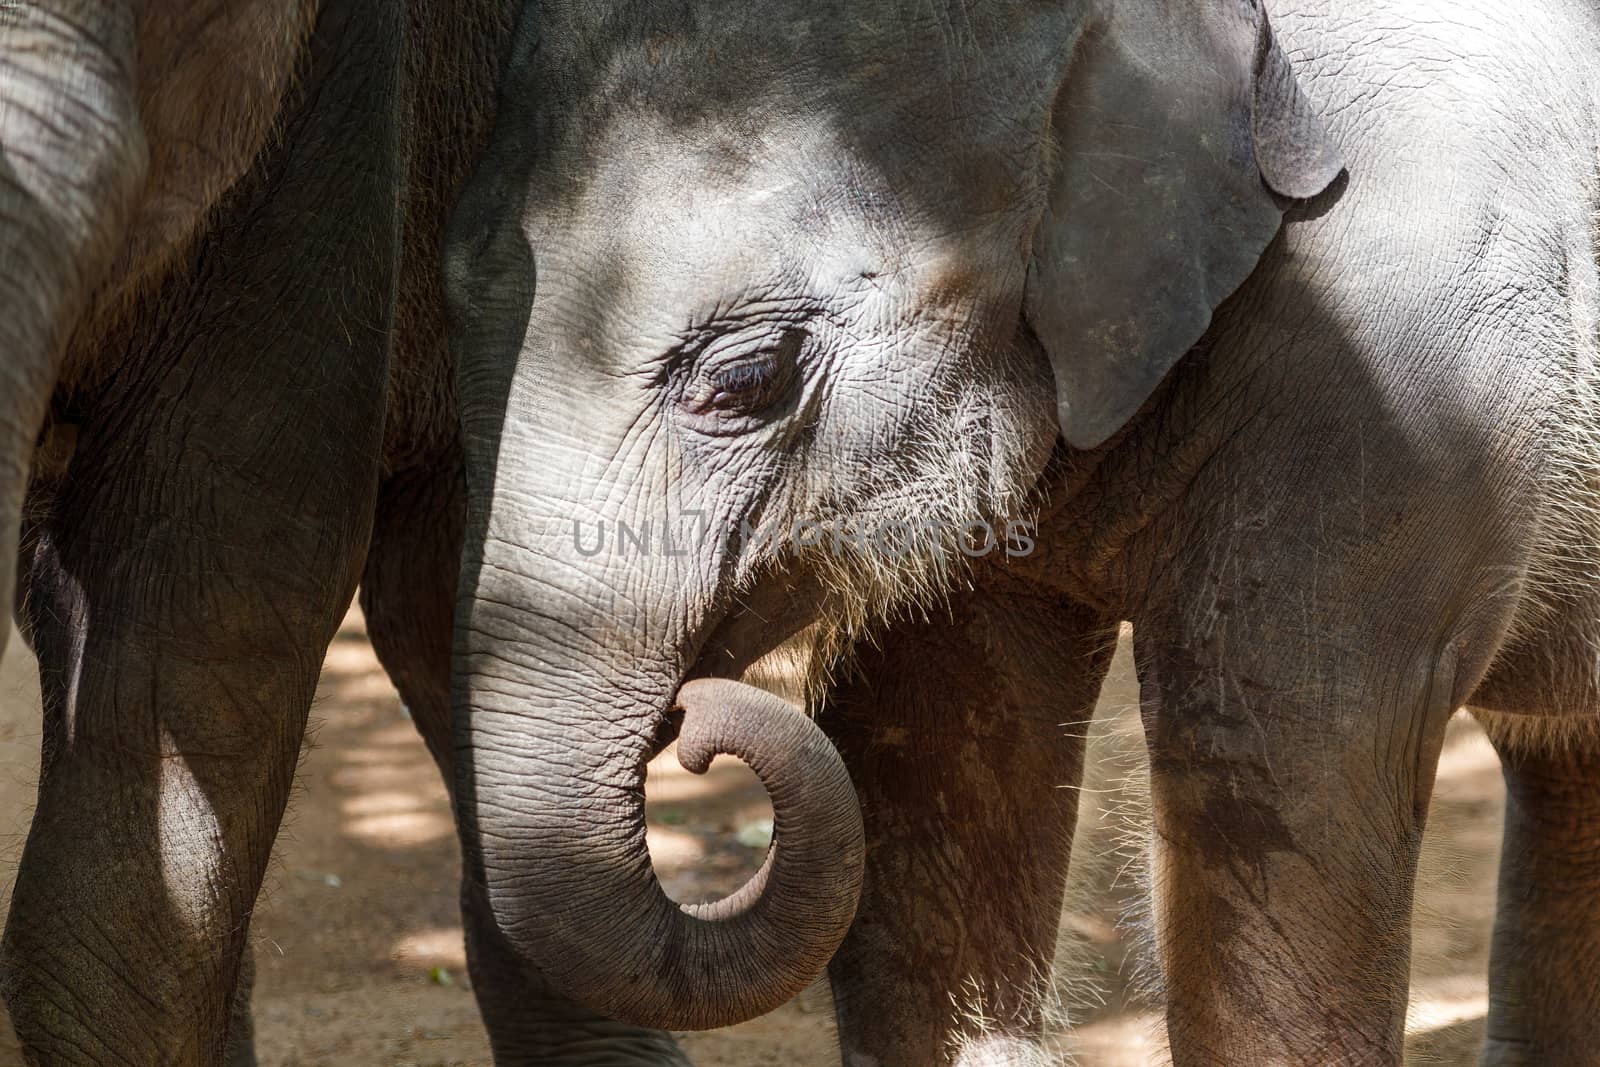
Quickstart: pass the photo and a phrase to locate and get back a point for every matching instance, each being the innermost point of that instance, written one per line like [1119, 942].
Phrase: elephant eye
[748, 383]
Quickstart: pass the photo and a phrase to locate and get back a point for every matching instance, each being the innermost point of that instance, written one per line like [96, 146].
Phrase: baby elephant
[1287, 332]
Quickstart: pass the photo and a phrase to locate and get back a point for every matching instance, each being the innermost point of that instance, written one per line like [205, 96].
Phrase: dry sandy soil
[359, 950]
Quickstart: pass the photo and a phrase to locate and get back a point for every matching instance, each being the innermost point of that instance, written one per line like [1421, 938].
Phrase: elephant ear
[1177, 131]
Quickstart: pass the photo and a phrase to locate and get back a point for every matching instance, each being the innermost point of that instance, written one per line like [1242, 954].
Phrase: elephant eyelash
[745, 382]
[745, 378]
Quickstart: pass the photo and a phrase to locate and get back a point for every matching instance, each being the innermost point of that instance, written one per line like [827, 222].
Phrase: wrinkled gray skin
[810, 260]
[225, 398]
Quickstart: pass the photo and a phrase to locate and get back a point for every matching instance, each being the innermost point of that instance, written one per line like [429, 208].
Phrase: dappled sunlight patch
[440, 946]
[367, 685]
[1442, 1002]
[1467, 751]
[352, 657]
[669, 783]
[1130, 1039]
[397, 817]
[672, 850]
[707, 833]
[402, 829]
[1456, 874]
[1446, 1020]
[21, 732]
[389, 774]
[399, 734]
[385, 755]
[384, 802]
[350, 669]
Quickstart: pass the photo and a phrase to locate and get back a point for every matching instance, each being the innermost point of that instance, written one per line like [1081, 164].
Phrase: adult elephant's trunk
[567, 692]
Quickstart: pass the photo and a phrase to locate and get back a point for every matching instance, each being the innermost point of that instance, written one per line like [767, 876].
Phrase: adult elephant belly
[121, 127]
[205, 114]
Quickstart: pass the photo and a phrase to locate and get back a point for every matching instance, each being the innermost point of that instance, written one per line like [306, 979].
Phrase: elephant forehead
[683, 227]
[666, 192]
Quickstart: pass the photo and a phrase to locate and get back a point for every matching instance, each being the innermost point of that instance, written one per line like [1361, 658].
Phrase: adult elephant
[225, 398]
[1329, 443]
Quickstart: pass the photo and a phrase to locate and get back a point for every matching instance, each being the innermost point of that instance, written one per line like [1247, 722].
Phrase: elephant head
[731, 268]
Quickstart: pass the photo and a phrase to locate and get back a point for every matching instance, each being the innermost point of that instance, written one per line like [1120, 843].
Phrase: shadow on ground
[358, 944]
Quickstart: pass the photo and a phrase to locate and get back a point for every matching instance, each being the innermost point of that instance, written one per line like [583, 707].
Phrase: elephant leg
[241, 1049]
[188, 572]
[179, 619]
[1289, 802]
[72, 162]
[1544, 964]
[408, 595]
[964, 736]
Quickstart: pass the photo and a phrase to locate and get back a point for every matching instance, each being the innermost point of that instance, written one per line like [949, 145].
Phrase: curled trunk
[569, 874]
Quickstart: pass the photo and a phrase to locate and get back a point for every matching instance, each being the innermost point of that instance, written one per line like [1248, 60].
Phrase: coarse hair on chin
[895, 546]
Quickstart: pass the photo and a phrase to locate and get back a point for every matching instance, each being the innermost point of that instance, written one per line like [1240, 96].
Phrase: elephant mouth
[771, 614]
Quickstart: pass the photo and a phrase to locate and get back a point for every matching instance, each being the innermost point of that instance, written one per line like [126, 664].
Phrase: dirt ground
[358, 945]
